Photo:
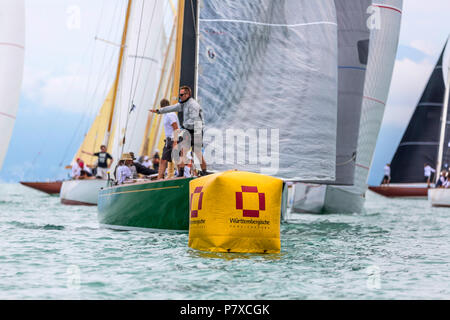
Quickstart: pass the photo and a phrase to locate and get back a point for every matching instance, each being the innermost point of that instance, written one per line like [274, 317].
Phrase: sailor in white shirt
[427, 173]
[123, 171]
[387, 174]
[171, 124]
[147, 162]
[76, 169]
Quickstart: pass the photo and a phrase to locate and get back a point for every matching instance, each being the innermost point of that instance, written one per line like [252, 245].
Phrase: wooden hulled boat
[401, 190]
[50, 187]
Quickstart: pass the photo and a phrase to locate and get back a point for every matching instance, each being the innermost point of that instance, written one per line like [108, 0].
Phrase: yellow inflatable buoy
[235, 211]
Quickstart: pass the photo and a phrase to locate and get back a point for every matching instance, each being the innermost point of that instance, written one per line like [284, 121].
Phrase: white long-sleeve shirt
[123, 173]
[428, 170]
[76, 170]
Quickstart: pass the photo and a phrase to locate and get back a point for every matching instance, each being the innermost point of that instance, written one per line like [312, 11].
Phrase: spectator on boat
[171, 127]
[446, 180]
[88, 170]
[387, 174]
[442, 179]
[76, 169]
[141, 169]
[130, 164]
[146, 162]
[123, 170]
[102, 163]
[189, 169]
[192, 119]
[428, 172]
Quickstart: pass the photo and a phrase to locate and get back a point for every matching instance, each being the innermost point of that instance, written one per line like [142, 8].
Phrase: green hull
[159, 205]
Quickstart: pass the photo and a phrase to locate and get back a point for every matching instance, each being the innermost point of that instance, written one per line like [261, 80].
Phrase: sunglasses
[182, 94]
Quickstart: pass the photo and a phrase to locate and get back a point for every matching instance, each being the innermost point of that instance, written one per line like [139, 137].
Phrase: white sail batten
[142, 65]
[384, 39]
[267, 83]
[12, 53]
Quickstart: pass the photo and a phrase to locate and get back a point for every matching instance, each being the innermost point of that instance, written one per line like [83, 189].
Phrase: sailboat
[383, 46]
[382, 20]
[259, 69]
[85, 191]
[12, 53]
[440, 197]
[420, 142]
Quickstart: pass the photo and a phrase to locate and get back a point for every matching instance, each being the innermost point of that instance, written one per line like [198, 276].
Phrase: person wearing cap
[124, 172]
[147, 163]
[192, 119]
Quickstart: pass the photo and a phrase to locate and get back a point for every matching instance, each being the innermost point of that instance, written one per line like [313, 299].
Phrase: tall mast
[443, 125]
[119, 69]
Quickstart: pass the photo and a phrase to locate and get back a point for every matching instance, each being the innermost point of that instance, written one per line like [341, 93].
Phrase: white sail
[12, 52]
[143, 58]
[386, 15]
[268, 69]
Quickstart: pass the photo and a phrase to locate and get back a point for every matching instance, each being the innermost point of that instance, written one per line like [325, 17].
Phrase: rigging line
[107, 84]
[132, 76]
[103, 71]
[114, 56]
[68, 146]
[87, 100]
[58, 115]
[163, 74]
[145, 48]
[148, 75]
[73, 137]
[150, 72]
[106, 75]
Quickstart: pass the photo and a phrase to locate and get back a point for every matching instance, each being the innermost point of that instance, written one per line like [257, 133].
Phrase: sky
[69, 69]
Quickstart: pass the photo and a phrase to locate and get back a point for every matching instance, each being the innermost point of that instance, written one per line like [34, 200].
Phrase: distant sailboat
[420, 142]
[12, 53]
[85, 191]
[440, 197]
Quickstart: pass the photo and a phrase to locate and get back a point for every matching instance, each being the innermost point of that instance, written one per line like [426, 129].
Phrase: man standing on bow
[192, 119]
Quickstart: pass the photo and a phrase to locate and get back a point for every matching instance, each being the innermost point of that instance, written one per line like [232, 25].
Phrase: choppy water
[398, 249]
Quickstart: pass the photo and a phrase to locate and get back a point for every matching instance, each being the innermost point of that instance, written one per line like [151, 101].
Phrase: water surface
[397, 249]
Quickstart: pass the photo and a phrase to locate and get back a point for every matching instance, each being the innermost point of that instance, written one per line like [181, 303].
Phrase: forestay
[144, 54]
